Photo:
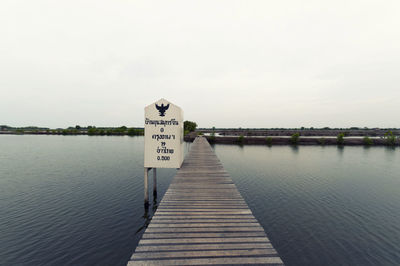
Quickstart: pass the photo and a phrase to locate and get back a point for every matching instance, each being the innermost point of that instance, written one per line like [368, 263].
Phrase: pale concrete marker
[163, 140]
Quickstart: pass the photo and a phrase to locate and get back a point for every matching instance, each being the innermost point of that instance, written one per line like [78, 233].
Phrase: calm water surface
[78, 200]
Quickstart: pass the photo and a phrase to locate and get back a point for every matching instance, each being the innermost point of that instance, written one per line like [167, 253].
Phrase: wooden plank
[200, 206]
[204, 235]
[201, 225]
[202, 253]
[197, 240]
[172, 247]
[204, 229]
[211, 261]
[203, 220]
[202, 202]
[177, 222]
[203, 211]
[204, 216]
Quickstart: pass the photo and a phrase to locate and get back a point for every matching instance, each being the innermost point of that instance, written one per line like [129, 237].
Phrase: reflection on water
[73, 200]
[340, 150]
[78, 200]
[322, 205]
[295, 149]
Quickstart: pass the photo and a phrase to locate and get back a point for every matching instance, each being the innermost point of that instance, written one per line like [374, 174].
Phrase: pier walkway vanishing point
[203, 219]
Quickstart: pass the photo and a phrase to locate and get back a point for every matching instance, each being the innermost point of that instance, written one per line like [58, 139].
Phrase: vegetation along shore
[77, 130]
[301, 136]
[249, 136]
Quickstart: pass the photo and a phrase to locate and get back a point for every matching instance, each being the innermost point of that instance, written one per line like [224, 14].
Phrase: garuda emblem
[162, 109]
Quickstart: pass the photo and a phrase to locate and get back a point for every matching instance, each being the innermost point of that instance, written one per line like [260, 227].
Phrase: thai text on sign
[163, 135]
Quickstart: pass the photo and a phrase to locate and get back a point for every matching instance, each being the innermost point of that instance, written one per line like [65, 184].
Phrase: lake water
[78, 200]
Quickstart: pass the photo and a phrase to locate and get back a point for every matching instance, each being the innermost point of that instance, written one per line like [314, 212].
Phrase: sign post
[163, 140]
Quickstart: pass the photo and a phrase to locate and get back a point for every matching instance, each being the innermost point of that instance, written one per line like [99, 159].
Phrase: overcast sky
[226, 63]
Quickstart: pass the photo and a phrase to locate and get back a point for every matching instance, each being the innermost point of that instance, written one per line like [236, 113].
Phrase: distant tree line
[120, 131]
[77, 130]
[390, 138]
[301, 128]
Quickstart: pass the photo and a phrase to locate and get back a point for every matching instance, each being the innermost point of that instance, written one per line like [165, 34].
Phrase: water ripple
[79, 200]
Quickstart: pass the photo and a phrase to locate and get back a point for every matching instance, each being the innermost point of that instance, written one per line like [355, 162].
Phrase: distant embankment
[348, 132]
[329, 140]
[301, 136]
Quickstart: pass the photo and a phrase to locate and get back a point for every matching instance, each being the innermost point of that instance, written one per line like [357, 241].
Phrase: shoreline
[270, 141]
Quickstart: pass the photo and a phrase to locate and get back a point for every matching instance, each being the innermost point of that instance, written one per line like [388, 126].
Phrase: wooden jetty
[203, 219]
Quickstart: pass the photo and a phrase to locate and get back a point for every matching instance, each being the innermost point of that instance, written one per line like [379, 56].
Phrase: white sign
[163, 135]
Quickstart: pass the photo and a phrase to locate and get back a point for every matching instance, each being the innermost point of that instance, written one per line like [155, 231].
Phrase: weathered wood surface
[203, 219]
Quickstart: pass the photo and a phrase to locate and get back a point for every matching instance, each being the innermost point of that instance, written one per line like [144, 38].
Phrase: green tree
[390, 138]
[294, 139]
[92, 131]
[213, 132]
[189, 126]
[368, 141]
[340, 139]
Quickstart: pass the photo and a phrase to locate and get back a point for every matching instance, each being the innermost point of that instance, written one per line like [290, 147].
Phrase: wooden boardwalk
[203, 219]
